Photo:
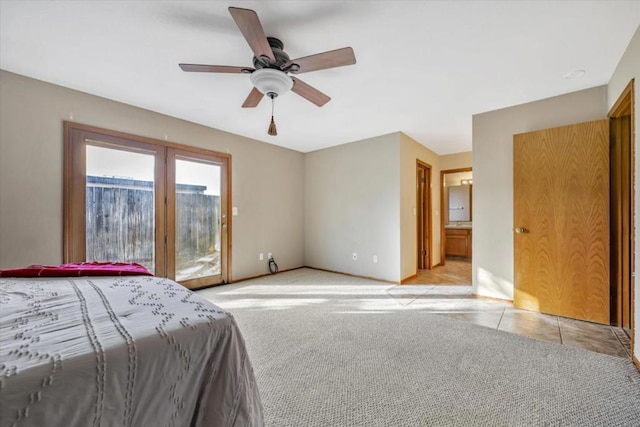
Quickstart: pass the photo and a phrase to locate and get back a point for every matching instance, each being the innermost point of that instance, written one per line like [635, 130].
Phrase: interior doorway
[456, 220]
[423, 215]
[621, 129]
[458, 270]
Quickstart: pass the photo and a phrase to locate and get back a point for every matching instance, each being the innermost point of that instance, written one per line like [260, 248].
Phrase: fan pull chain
[272, 127]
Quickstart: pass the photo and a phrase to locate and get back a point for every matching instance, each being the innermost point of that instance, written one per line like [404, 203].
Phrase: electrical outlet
[375, 258]
[261, 256]
[269, 256]
[355, 256]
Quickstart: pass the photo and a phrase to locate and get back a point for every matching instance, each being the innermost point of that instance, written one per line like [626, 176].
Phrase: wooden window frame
[76, 137]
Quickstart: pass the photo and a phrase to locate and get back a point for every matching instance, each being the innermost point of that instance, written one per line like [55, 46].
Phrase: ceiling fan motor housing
[271, 78]
[281, 56]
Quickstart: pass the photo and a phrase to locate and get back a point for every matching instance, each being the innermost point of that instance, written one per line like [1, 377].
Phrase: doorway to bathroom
[456, 222]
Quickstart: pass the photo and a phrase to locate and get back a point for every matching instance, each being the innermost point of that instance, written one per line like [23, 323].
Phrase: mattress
[120, 351]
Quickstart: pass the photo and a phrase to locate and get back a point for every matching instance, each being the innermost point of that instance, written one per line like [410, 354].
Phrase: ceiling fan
[272, 67]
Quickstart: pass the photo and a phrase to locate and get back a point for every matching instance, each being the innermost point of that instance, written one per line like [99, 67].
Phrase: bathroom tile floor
[446, 291]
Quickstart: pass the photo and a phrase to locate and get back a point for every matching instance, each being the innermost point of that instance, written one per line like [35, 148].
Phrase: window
[133, 199]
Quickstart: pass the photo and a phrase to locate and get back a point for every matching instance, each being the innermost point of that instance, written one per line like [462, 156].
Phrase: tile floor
[446, 291]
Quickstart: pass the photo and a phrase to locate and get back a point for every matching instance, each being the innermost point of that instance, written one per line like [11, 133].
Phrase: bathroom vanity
[458, 240]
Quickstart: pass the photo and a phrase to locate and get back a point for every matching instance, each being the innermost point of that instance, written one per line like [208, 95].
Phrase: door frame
[622, 194]
[423, 217]
[443, 189]
[172, 155]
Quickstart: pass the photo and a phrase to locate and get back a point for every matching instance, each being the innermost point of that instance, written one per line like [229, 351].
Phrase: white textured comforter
[120, 351]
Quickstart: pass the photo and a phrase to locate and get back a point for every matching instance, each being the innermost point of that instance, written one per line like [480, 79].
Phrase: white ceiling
[423, 67]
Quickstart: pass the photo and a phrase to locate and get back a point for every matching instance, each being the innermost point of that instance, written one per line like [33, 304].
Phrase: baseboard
[406, 279]
[437, 265]
[636, 362]
[482, 297]
[353, 275]
[323, 269]
[262, 275]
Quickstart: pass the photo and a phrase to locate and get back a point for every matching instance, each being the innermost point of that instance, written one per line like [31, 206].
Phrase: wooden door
[423, 214]
[561, 220]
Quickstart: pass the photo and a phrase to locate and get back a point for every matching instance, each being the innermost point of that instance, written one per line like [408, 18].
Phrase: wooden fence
[120, 222]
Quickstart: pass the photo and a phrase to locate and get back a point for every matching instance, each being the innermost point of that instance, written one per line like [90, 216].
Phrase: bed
[120, 351]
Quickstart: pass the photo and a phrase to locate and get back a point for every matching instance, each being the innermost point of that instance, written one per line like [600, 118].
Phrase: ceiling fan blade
[254, 98]
[322, 61]
[215, 68]
[309, 92]
[251, 28]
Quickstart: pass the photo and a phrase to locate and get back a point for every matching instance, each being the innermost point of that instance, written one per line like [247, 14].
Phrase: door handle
[520, 230]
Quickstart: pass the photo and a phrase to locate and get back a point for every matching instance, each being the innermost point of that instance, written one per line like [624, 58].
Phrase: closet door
[561, 215]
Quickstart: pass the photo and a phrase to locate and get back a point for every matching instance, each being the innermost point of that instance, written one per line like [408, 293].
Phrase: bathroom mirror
[459, 203]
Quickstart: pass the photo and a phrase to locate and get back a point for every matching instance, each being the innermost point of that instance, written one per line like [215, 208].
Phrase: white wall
[267, 180]
[360, 197]
[493, 178]
[352, 195]
[410, 151]
[627, 69]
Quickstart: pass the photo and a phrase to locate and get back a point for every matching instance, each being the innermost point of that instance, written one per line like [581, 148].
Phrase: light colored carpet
[333, 350]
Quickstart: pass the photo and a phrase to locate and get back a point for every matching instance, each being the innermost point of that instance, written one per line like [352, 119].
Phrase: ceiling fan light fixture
[271, 81]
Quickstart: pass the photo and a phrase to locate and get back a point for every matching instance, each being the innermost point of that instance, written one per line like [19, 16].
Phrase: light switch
[234, 211]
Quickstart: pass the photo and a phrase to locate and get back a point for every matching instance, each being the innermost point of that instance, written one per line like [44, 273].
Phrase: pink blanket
[79, 269]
